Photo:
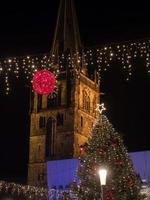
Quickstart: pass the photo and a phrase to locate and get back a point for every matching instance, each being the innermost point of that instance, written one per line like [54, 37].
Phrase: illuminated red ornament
[101, 150]
[109, 195]
[119, 162]
[81, 150]
[44, 82]
[130, 181]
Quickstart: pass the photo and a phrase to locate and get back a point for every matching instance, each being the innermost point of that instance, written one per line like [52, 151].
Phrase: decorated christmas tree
[105, 149]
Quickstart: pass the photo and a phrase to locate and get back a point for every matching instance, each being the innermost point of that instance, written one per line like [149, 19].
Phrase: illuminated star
[100, 108]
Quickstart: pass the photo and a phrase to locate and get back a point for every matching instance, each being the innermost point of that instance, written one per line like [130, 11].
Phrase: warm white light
[100, 108]
[103, 176]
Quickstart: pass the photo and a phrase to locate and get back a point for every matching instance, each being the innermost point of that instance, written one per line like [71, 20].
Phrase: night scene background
[28, 28]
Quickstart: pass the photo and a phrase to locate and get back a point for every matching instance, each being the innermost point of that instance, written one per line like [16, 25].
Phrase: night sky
[27, 28]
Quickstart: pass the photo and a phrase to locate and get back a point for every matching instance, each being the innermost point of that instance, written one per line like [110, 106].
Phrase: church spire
[66, 35]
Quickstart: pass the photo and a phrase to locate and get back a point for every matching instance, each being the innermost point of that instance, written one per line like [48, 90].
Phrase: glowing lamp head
[44, 82]
[102, 175]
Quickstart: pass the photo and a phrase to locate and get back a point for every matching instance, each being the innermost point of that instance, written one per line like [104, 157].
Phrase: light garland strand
[23, 192]
[100, 58]
[32, 192]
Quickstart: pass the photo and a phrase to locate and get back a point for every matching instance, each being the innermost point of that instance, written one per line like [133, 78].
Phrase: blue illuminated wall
[62, 172]
[141, 162]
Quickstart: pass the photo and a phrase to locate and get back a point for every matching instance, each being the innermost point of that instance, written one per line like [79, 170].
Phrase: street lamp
[102, 175]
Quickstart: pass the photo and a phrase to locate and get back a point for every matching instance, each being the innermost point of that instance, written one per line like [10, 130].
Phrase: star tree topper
[100, 108]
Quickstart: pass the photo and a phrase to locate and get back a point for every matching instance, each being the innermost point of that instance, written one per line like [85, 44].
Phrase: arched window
[88, 104]
[94, 105]
[38, 152]
[81, 121]
[83, 100]
[51, 100]
[86, 101]
[59, 96]
[50, 135]
[60, 119]
[39, 148]
[39, 106]
[42, 122]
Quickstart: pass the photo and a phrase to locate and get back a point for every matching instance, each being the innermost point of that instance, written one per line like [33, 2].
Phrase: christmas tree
[106, 149]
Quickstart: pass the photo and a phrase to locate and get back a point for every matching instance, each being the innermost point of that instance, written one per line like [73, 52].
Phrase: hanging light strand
[100, 57]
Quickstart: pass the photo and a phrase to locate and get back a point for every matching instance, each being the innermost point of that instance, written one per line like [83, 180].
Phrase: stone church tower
[60, 125]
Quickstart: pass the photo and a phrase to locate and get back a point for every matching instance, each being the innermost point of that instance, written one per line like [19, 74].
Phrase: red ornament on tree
[115, 143]
[130, 182]
[109, 195]
[119, 162]
[44, 82]
[101, 151]
[81, 150]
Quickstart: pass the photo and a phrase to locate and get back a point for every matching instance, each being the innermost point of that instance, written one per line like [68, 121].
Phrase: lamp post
[102, 175]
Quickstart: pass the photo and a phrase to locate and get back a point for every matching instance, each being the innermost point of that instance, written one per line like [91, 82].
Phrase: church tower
[62, 124]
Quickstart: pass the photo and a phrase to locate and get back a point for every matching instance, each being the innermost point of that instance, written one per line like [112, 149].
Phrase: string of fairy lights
[101, 58]
[22, 192]
[125, 54]
[23, 67]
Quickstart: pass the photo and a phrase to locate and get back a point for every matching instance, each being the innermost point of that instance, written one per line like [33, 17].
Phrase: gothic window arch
[86, 101]
[60, 119]
[81, 121]
[59, 96]
[39, 152]
[88, 104]
[42, 122]
[51, 100]
[94, 105]
[39, 148]
[50, 136]
[83, 100]
[39, 104]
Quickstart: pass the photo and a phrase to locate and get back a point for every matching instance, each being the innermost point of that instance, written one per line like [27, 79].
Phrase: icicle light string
[102, 57]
